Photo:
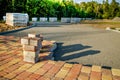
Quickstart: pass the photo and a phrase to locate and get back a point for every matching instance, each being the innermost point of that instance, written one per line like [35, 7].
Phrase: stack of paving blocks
[17, 19]
[31, 47]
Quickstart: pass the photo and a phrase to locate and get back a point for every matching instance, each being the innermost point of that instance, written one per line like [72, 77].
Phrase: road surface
[80, 43]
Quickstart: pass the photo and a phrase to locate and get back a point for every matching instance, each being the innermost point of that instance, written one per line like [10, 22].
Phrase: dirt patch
[4, 27]
[116, 19]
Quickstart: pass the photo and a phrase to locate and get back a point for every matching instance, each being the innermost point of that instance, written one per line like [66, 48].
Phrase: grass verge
[102, 24]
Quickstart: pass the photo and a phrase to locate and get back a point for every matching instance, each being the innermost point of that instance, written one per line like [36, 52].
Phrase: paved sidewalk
[13, 68]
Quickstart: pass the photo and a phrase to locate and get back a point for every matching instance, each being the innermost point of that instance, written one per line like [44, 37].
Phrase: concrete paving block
[65, 20]
[30, 53]
[31, 59]
[43, 19]
[25, 41]
[31, 48]
[33, 35]
[17, 19]
[35, 42]
[34, 19]
[29, 56]
[53, 19]
[116, 72]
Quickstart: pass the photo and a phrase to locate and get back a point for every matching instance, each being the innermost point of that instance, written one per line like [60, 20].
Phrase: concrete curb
[109, 29]
[11, 31]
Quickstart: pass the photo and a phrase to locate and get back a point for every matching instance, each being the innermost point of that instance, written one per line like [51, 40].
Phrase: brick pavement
[12, 66]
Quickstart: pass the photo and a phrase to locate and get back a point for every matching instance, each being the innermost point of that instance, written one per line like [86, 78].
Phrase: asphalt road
[80, 43]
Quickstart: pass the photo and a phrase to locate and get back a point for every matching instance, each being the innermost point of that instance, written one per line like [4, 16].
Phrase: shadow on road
[65, 53]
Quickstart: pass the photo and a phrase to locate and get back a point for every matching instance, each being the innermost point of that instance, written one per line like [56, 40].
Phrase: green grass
[92, 22]
[107, 22]
[112, 28]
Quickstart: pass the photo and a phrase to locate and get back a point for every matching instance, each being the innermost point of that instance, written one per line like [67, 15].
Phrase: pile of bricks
[31, 47]
[17, 19]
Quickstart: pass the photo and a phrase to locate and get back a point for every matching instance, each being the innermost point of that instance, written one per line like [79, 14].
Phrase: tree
[63, 8]
[5, 6]
[114, 6]
[19, 5]
[32, 7]
[100, 11]
[106, 9]
[83, 7]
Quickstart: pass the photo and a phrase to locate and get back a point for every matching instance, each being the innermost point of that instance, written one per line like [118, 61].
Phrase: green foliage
[55, 8]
